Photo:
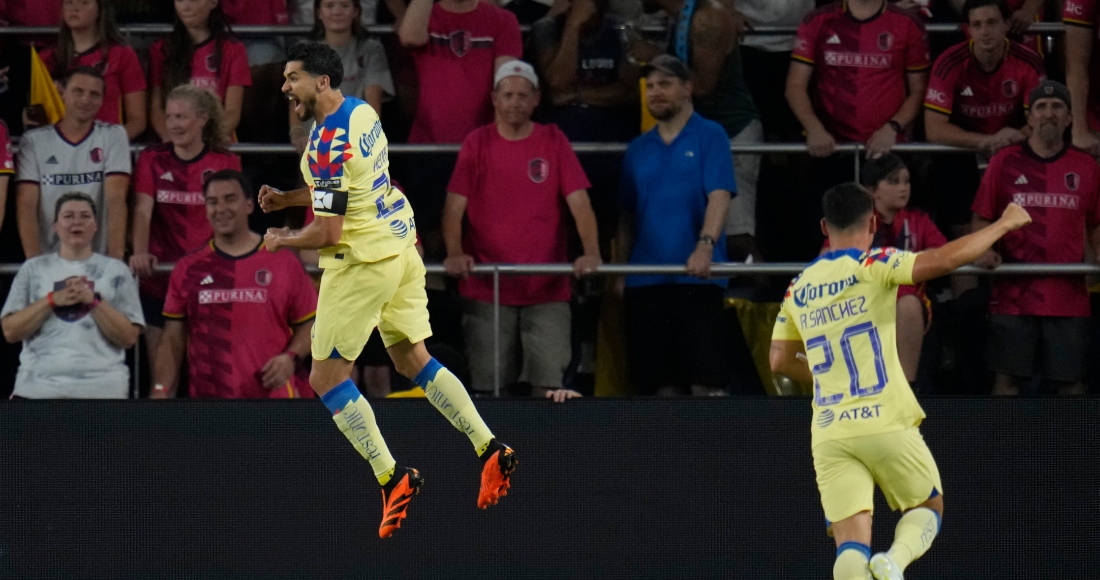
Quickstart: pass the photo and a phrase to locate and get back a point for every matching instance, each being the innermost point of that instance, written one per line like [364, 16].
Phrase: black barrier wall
[605, 489]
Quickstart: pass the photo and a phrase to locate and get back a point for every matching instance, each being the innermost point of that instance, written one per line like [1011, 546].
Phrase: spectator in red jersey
[457, 45]
[904, 228]
[1041, 321]
[242, 314]
[89, 37]
[508, 185]
[30, 12]
[169, 215]
[266, 60]
[975, 99]
[868, 62]
[199, 51]
[1082, 69]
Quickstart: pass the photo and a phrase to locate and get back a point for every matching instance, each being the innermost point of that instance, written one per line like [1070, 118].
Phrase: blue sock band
[339, 397]
[427, 374]
[861, 548]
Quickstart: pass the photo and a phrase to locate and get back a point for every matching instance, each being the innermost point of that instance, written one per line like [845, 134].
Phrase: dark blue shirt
[667, 187]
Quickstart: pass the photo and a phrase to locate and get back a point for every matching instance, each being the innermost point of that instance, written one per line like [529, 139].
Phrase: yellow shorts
[898, 461]
[354, 299]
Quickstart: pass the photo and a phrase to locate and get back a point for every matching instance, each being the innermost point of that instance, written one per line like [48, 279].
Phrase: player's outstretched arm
[272, 199]
[943, 260]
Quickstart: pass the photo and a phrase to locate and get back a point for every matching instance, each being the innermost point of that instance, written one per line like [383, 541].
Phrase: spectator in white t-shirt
[77, 154]
[76, 313]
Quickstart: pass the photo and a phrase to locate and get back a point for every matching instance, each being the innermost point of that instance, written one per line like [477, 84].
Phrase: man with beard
[1041, 320]
[365, 233]
[677, 181]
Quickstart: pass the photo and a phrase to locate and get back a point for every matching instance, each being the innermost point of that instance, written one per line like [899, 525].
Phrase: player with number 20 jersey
[841, 312]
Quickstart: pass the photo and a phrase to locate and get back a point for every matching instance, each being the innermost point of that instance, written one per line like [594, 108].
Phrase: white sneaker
[884, 568]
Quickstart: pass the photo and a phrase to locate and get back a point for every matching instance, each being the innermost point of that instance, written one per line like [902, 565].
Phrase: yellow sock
[914, 535]
[851, 562]
[447, 394]
[356, 421]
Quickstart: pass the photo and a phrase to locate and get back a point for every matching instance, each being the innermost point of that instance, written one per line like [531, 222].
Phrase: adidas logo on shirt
[967, 92]
[1021, 181]
[167, 176]
[207, 280]
[834, 39]
[52, 160]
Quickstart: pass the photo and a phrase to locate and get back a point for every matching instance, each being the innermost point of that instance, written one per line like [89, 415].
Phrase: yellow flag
[43, 91]
[648, 122]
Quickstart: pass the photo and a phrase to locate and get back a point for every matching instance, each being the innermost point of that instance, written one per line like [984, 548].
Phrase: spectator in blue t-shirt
[675, 191]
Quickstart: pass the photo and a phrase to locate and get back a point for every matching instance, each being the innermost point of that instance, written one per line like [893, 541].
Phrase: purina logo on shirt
[180, 197]
[857, 59]
[1047, 200]
[538, 170]
[244, 295]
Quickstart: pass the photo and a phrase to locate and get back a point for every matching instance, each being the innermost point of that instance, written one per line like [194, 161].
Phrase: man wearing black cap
[1041, 320]
[675, 191]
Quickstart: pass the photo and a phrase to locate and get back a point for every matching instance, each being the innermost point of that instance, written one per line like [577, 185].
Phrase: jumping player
[373, 277]
[836, 330]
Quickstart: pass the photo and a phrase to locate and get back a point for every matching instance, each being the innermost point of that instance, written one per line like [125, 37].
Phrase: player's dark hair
[179, 49]
[72, 196]
[846, 204]
[318, 60]
[975, 4]
[880, 169]
[83, 70]
[229, 175]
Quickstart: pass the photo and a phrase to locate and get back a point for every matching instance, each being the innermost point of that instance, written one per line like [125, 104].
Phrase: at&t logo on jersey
[401, 229]
[860, 413]
[825, 418]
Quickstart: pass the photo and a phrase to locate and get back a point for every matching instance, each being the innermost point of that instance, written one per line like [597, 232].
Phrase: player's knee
[851, 561]
[934, 503]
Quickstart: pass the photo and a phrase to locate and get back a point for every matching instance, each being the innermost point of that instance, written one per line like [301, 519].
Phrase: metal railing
[722, 270]
[381, 29]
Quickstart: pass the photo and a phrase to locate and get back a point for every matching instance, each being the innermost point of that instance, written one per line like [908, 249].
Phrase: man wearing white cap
[508, 184]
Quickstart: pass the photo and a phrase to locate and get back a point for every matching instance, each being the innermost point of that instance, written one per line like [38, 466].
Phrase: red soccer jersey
[239, 312]
[455, 70]
[31, 12]
[1062, 194]
[514, 191]
[1086, 13]
[122, 73]
[979, 101]
[255, 12]
[860, 67]
[206, 73]
[7, 162]
[179, 225]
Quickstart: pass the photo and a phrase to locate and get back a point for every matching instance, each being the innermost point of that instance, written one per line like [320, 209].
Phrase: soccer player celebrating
[373, 276]
[865, 423]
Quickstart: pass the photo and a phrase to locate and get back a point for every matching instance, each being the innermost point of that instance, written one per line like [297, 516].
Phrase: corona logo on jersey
[810, 292]
[328, 150]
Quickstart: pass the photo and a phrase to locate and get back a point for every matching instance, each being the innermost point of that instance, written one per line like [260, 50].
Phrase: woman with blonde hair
[169, 214]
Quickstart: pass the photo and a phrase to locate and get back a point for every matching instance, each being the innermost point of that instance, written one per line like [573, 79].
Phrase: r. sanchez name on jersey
[843, 308]
[347, 169]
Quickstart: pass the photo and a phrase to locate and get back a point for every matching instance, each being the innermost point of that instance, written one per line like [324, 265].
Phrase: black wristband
[896, 126]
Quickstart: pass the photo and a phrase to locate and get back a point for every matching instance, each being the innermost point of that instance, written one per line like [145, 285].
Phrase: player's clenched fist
[1015, 217]
[273, 239]
[271, 199]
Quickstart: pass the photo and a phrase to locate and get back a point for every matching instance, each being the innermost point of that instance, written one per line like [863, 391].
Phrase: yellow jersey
[843, 307]
[346, 167]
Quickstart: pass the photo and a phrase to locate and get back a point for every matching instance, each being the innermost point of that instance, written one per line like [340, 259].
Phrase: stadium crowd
[517, 85]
